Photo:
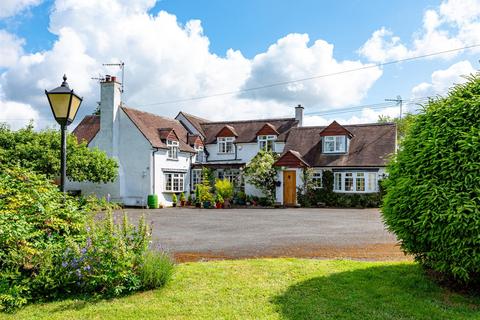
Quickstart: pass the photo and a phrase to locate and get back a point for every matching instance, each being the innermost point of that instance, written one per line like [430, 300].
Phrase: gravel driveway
[192, 234]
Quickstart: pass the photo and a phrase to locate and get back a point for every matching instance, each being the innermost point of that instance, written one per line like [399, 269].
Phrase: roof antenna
[121, 65]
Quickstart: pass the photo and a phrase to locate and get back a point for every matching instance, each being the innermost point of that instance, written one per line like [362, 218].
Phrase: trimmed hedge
[432, 200]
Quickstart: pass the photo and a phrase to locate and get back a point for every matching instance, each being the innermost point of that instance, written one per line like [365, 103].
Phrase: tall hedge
[432, 200]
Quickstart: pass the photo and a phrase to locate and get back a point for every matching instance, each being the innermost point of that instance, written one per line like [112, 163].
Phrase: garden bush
[432, 200]
[224, 188]
[51, 246]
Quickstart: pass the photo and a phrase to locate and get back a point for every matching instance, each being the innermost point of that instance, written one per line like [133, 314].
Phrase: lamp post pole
[63, 160]
[64, 104]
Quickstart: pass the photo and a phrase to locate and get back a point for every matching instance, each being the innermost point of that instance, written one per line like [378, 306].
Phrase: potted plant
[225, 189]
[197, 196]
[241, 198]
[174, 200]
[218, 201]
[182, 199]
[189, 199]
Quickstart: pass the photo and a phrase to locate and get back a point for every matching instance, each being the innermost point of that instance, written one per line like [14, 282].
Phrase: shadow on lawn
[384, 292]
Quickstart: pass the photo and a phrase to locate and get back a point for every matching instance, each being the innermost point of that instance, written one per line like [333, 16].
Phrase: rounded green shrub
[432, 200]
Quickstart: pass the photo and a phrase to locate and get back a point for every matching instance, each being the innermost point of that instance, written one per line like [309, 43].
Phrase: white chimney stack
[110, 100]
[299, 115]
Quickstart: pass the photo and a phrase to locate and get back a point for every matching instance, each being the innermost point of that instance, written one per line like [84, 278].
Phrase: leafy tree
[261, 173]
[432, 200]
[40, 151]
[403, 124]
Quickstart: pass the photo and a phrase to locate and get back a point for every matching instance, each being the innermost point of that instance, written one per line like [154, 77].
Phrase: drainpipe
[153, 168]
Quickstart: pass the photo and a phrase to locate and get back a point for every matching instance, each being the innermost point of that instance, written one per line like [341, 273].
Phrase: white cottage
[153, 152]
[163, 156]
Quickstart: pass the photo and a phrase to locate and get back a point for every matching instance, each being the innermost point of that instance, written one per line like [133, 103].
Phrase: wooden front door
[289, 188]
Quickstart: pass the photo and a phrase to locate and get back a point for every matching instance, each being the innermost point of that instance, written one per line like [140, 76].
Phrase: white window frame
[225, 145]
[337, 142]
[267, 142]
[196, 177]
[200, 154]
[369, 180]
[317, 179]
[174, 182]
[172, 153]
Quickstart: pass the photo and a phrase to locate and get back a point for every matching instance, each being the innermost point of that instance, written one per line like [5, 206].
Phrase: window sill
[173, 191]
[335, 152]
[172, 159]
[341, 191]
[220, 153]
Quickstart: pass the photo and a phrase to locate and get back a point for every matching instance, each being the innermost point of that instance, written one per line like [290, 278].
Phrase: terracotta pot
[218, 205]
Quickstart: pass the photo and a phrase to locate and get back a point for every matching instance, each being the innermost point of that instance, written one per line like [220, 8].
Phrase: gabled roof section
[291, 159]
[87, 129]
[227, 131]
[195, 121]
[371, 146]
[168, 134]
[267, 129]
[247, 129]
[149, 125]
[335, 129]
[194, 140]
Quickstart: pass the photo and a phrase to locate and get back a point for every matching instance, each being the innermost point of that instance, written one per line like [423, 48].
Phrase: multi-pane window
[267, 142]
[225, 144]
[372, 181]
[317, 179]
[174, 182]
[355, 181]
[334, 144]
[172, 152]
[200, 154]
[349, 181]
[337, 181]
[196, 177]
[360, 181]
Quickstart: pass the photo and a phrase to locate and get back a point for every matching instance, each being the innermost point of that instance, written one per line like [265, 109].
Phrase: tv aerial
[121, 65]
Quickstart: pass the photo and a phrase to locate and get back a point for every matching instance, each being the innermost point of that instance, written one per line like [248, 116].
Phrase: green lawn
[277, 289]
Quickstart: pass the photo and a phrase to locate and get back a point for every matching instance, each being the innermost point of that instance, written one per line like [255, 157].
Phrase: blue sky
[251, 27]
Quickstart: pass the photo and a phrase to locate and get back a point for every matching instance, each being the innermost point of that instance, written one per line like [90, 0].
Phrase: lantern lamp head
[64, 103]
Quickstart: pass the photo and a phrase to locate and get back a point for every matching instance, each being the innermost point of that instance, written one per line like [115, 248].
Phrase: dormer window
[334, 144]
[200, 154]
[225, 144]
[172, 152]
[267, 142]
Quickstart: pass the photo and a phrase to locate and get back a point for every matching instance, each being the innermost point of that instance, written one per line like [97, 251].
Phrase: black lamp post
[64, 104]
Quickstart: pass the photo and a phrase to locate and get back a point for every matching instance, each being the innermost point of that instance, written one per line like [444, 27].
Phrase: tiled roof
[246, 130]
[292, 159]
[371, 145]
[149, 124]
[87, 128]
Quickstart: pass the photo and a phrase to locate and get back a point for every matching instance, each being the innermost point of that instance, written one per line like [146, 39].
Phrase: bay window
[334, 144]
[225, 144]
[174, 182]
[355, 181]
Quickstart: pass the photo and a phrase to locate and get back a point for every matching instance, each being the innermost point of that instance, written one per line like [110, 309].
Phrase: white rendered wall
[163, 165]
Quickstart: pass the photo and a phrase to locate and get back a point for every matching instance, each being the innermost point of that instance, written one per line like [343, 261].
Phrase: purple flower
[64, 264]
[89, 242]
[79, 273]
[83, 250]
[87, 267]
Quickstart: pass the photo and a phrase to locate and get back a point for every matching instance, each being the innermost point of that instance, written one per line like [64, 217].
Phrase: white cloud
[455, 24]
[442, 80]
[166, 61]
[291, 58]
[10, 49]
[16, 114]
[10, 8]
[367, 115]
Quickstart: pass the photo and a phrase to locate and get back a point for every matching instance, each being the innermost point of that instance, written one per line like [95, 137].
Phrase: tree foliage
[40, 151]
[261, 173]
[432, 200]
[403, 124]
